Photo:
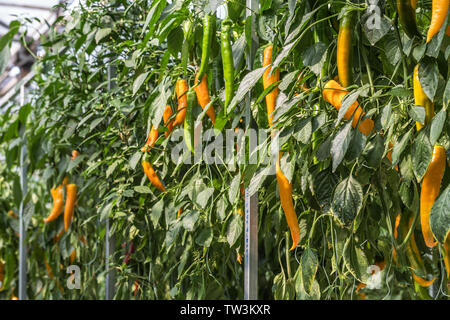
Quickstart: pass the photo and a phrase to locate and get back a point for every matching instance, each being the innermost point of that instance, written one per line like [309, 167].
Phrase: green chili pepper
[209, 21]
[189, 120]
[407, 16]
[227, 62]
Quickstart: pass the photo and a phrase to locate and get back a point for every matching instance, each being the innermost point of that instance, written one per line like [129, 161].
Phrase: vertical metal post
[110, 241]
[251, 202]
[22, 226]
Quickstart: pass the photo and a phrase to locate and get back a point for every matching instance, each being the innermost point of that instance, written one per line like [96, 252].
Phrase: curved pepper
[285, 188]
[189, 121]
[439, 9]
[71, 198]
[334, 93]
[181, 90]
[58, 203]
[203, 97]
[431, 185]
[271, 97]
[151, 139]
[169, 125]
[152, 176]
[421, 99]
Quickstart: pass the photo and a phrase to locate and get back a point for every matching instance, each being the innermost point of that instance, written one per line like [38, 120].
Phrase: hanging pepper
[169, 125]
[407, 14]
[421, 99]
[439, 9]
[203, 99]
[344, 48]
[189, 121]
[334, 93]
[152, 176]
[227, 62]
[285, 188]
[209, 22]
[58, 203]
[71, 198]
[151, 139]
[181, 90]
[271, 97]
[431, 185]
[75, 154]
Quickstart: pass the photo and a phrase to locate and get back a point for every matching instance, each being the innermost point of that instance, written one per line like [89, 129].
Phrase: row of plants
[354, 94]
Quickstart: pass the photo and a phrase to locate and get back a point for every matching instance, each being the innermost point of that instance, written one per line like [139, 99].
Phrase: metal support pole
[110, 241]
[22, 226]
[251, 202]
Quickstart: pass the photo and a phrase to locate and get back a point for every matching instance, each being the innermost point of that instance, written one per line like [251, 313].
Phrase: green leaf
[437, 124]
[139, 81]
[400, 146]
[174, 39]
[156, 212]
[355, 261]
[374, 151]
[347, 200]
[234, 188]
[234, 229]
[309, 264]
[323, 184]
[246, 84]
[205, 237]
[101, 33]
[6, 39]
[314, 56]
[203, 197]
[221, 207]
[417, 113]
[190, 219]
[303, 130]
[171, 234]
[440, 216]
[153, 16]
[340, 144]
[422, 152]
[5, 55]
[142, 189]
[429, 77]
[135, 159]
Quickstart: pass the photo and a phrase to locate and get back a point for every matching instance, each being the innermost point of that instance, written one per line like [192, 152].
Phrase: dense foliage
[347, 193]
